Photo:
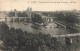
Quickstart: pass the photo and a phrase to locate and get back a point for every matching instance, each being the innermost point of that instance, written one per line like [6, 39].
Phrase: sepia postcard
[39, 25]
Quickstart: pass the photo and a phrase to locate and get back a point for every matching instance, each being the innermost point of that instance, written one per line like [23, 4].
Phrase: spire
[15, 13]
[15, 10]
[30, 9]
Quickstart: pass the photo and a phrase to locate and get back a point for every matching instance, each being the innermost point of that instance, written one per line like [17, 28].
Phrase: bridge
[59, 23]
[67, 35]
[13, 19]
[47, 19]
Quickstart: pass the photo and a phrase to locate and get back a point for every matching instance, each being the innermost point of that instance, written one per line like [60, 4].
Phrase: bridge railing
[67, 35]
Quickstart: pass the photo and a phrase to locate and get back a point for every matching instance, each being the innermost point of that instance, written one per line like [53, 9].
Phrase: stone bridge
[48, 19]
[15, 19]
[67, 35]
[20, 19]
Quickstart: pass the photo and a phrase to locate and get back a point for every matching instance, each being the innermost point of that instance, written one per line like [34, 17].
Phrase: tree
[67, 41]
[4, 27]
[23, 14]
[37, 18]
[71, 18]
[11, 14]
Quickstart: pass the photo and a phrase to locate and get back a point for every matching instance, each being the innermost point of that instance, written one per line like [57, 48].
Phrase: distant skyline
[20, 5]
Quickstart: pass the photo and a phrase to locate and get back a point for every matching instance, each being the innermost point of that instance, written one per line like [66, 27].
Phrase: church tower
[29, 11]
[15, 13]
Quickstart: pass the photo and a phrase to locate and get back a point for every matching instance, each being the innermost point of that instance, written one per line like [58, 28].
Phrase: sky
[39, 5]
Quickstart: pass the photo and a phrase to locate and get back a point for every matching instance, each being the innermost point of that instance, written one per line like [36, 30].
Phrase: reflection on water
[50, 28]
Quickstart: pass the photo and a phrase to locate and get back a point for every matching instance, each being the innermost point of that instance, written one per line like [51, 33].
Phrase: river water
[50, 28]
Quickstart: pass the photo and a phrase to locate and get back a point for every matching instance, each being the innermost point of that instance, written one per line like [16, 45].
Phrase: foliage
[4, 27]
[11, 14]
[19, 14]
[37, 18]
[17, 39]
[23, 14]
[67, 17]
